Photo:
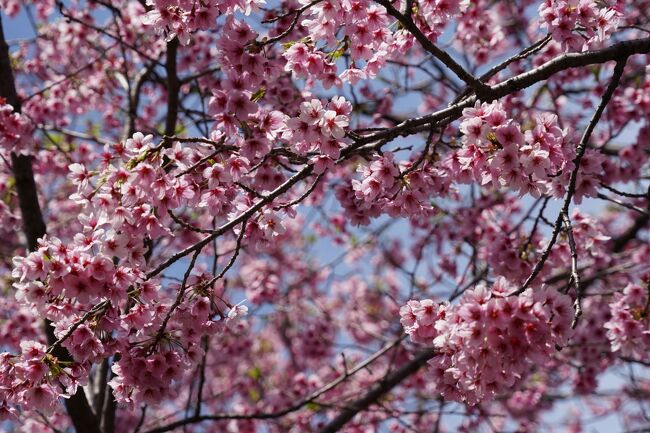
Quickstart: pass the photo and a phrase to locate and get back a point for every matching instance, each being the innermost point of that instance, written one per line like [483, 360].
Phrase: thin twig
[177, 301]
[575, 275]
[294, 22]
[580, 151]
[303, 402]
[621, 203]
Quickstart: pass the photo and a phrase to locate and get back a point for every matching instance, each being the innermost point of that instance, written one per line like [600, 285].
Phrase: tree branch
[616, 52]
[580, 151]
[381, 388]
[77, 405]
[480, 88]
[284, 187]
[173, 87]
[271, 415]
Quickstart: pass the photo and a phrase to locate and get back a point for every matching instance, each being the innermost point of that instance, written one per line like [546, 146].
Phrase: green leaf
[254, 373]
[335, 55]
[596, 71]
[180, 129]
[314, 407]
[289, 44]
[259, 94]
[254, 395]
[248, 132]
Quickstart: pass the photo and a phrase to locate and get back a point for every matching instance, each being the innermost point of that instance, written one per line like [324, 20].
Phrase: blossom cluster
[35, 379]
[496, 151]
[261, 281]
[368, 305]
[507, 253]
[365, 36]
[105, 303]
[419, 318]
[17, 323]
[254, 80]
[629, 327]
[319, 128]
[489, 341]
[15, 131]
[386, 186]
[71, 271]
[13, 7]
[315, 337]
[578, 23]
[180, 18]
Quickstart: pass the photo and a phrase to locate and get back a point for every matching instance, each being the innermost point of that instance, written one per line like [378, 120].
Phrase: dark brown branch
[532, 49]
[96, 309]
[378, 390]
[616, 52]
[284, 187]
[297, 13]
[305, 401]
[621, 203]
[303, 195]
[622, 193]
[630, 234]
[173, 87]
[143, 414]
[69, 76]
[134, 98]
[101, 381]
[68, 16]
[109, 6]
[575, 275]
[580, 151]
[408, 23]
[177, 301]
[199, 392]
[107, 424]
[77, 405]
[423, 155]
[186, 225]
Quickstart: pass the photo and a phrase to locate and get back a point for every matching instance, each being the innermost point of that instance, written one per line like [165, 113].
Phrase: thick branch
[173, 87]
[77, 405]
[618, 51]
[376, 392]
[532, 49]
[271, 415]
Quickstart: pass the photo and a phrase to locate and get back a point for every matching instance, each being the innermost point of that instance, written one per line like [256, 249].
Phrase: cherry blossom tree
[320, 216]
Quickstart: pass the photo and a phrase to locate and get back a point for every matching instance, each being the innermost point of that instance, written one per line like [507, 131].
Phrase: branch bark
[77, 406]
[173, 87]
[616, 52]
[377, 391]
[571, 188]
[277, 414]
[406, 20]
